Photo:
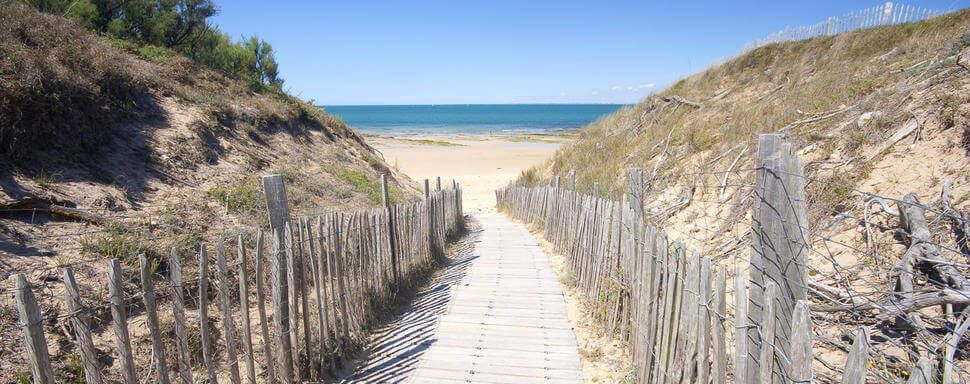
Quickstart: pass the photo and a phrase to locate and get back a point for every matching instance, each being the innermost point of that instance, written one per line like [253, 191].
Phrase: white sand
[480, 164]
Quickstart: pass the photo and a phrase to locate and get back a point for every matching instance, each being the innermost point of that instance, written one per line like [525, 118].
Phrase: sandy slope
[479, 163]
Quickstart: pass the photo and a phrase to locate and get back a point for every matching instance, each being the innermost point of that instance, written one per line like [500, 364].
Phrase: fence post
[225, 301]
[572, 179]
[210, 368]
[429, 208]
[119, 321]
[148, 295]
[281, 308]
[33, 330]
[82, 330]
[392, 234]
[178, 317]
[779, 244]
[279, 214]
[857, 364]
[635, 183]
[276, 204]
[801, 341]
[247, 332]
[261, 306]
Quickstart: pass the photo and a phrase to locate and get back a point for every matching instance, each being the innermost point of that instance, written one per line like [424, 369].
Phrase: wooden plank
[178, 317]
[322, 326]
[281, 308]
[33, 329]
[779, 239]
[247, 333]
[857, 364]
[206, 341]
[80, 320]
[392, 234]
[293, 312]
[766, 361]
[703, 322]
[148, 296]
[274, 189]
[228, 324]
[299, 263]
[719, 357]
[119, 322]
[261, 308]
[742, 359]
[801, 341]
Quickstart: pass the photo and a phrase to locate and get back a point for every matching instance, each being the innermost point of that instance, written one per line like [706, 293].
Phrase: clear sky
[518, 51]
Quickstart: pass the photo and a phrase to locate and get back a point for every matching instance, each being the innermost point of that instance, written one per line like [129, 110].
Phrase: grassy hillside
[831, 80]
[152, 151]
[841, 100]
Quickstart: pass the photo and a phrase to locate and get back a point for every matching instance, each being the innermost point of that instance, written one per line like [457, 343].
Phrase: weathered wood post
[801, 342]
[32, 327]
[178, 317]
[572, 179]
[247, 333]
[148, 296]
[279, 214]
[225, 304]
[636, 185]
[429, 208]
[437, 183]
[779, 247]
[887, 12]
[119, 322]
[261, 306]
[210, 368]
[392, 233]
[857, 364]
[80, 324]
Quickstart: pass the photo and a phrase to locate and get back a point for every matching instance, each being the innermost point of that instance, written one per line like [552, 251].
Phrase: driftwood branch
[681, 100]
[959, 221]
[888, 311]
[926, 252]
[813, 119]
[54, 207]
[721, 195]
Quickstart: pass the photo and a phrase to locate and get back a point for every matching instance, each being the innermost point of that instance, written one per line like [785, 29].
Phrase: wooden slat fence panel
[331, 281]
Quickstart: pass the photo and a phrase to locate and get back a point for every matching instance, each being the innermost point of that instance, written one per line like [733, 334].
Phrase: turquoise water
[470, 119]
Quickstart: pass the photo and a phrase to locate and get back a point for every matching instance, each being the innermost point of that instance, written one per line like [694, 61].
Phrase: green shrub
[244, 196]
[361, 184]
[154, 53]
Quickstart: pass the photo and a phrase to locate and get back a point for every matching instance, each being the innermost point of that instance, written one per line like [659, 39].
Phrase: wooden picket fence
[331, 277]
[670, 303]
[887, 14]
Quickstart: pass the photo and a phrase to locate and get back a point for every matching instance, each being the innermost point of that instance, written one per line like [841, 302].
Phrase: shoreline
[481, 163]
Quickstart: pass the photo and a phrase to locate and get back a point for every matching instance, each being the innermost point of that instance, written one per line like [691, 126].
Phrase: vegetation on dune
[796, 86]
[182, 26]
[66, 92]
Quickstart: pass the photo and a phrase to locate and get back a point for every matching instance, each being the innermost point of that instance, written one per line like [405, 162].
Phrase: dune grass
[763, 90]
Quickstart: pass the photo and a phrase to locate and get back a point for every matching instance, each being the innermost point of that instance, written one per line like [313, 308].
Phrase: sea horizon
[470, 119]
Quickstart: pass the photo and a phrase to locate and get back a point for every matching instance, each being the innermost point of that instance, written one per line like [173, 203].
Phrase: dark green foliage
[177, 25]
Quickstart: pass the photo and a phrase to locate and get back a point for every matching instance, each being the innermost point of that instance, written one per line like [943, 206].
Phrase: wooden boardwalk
[495, 315]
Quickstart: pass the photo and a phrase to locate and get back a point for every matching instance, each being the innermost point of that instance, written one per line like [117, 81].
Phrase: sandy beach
[480, 163]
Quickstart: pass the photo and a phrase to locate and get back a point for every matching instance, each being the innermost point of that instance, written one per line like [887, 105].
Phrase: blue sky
[523, 51]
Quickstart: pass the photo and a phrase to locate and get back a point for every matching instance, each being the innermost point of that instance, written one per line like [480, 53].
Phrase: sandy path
[480, 163]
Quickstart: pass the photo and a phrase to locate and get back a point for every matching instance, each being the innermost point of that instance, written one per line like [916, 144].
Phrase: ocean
[469, 118]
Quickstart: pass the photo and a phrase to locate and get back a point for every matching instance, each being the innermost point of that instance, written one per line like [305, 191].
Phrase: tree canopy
[183, 26]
